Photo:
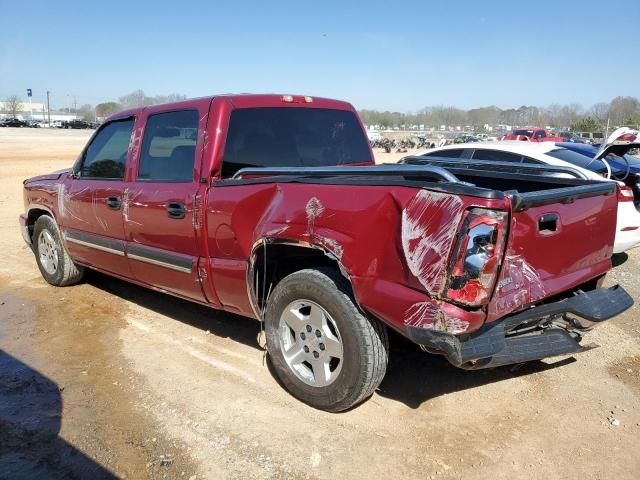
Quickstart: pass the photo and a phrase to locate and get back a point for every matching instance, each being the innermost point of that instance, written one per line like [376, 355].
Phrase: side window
[531, 160]
[169, 147]
[496, 155]
[105, 157]
[450, 153]
[540, 134]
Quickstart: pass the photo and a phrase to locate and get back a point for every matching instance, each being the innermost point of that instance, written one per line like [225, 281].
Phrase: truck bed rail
[432, 172]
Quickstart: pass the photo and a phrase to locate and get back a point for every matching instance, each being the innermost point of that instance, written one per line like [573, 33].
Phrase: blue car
[625, 168]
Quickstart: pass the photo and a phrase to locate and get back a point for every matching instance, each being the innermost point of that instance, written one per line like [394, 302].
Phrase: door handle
[548, 223]
[114, 203]
[176, 210]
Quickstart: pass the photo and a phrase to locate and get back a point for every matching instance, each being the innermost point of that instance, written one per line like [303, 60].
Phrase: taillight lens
[476, 258]
[625, 193]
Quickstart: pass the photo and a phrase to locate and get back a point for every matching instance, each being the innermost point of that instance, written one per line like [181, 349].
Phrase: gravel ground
[108, 380]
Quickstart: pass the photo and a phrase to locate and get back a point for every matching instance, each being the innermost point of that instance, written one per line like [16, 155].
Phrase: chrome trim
[159, 263]
[93, 245]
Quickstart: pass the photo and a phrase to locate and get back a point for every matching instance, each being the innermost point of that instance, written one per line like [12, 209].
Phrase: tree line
[621, 111]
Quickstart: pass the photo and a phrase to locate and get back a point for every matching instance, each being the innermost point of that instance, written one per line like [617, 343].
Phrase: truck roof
[248, 100]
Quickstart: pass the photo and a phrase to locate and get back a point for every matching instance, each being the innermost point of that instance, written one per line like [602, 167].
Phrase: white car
[551, 153]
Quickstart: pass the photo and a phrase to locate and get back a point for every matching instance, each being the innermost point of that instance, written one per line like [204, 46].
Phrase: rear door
[90, 202]
[162, 213]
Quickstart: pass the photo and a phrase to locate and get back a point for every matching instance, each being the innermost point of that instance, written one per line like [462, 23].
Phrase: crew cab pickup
[532, 135]
[271, 207]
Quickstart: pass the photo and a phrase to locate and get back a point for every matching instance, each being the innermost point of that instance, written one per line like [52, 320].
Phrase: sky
[391, 55]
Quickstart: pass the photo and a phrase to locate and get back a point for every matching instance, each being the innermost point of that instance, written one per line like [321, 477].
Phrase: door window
[169, 147]
[496, 155]
[106, 155]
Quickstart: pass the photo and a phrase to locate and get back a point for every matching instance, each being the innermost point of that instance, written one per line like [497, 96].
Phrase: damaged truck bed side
[271, 207]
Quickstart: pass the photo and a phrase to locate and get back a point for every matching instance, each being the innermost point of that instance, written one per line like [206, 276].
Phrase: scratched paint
[429, 224]
[314, 209]
[134, 142]
[330, 244]
[68, 203]
[519, 285]
[429, 316]
[198, 212]
[60, 197]
[128, 199]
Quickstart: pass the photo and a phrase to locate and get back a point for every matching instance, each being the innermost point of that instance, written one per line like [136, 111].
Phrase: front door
[90, 201]
[160, 215]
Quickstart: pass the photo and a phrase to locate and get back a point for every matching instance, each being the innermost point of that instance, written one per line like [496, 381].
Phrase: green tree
[107, 108]
[587, 124]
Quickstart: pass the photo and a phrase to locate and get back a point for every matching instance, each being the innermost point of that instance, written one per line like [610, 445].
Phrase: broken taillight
[474, 265]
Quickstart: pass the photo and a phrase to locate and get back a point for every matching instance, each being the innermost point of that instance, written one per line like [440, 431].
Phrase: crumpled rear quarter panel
[393, 242]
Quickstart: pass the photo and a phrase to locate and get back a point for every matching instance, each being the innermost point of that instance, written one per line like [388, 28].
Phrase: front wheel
[54, 262]
[323, 349]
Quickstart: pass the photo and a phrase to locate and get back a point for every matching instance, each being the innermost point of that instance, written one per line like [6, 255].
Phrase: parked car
[571, 137]
[532, 135]
[34, 123]
[77, 124]
[275, 210]
[13, 122]
[580, 156]
[595, 138]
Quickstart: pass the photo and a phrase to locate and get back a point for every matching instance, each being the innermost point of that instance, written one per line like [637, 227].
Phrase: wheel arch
[272, 259]
[34, 212]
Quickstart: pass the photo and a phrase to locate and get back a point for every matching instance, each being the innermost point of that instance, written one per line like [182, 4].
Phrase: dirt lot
[106, 379]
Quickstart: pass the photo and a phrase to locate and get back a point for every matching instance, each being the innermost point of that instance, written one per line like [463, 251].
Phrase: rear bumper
[540, 332]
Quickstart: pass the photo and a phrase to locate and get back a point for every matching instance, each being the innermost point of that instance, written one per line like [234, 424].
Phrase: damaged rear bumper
[540, 332]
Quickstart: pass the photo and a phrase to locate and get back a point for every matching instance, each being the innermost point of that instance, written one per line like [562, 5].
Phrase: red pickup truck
[532, 135]
[271, 207]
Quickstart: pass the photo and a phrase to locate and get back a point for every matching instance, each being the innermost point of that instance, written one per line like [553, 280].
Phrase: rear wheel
[322, 348]
[54, 262]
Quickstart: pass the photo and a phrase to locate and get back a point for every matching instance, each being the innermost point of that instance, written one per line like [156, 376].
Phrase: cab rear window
[293, 137]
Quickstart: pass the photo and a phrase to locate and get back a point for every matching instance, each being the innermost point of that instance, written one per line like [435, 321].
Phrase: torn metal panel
[519, 284]
[430, 316]
[429, 224]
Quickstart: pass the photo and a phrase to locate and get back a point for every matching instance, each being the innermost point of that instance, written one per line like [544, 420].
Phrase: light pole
[29, 92]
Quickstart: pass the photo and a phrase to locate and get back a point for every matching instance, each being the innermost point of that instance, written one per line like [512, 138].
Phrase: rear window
[293, 137]
[578, 159]
[527, 133]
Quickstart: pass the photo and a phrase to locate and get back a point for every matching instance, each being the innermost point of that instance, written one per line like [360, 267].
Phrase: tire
[52, 258]
[347, 352]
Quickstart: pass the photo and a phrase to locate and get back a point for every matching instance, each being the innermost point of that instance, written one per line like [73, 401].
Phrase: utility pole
[48, 110]
[29, 93]
[75, 105]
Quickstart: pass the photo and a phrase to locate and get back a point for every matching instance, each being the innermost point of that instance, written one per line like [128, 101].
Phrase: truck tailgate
[557, 240]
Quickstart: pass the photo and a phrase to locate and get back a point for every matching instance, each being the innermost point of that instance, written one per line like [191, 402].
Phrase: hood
[49, 176]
